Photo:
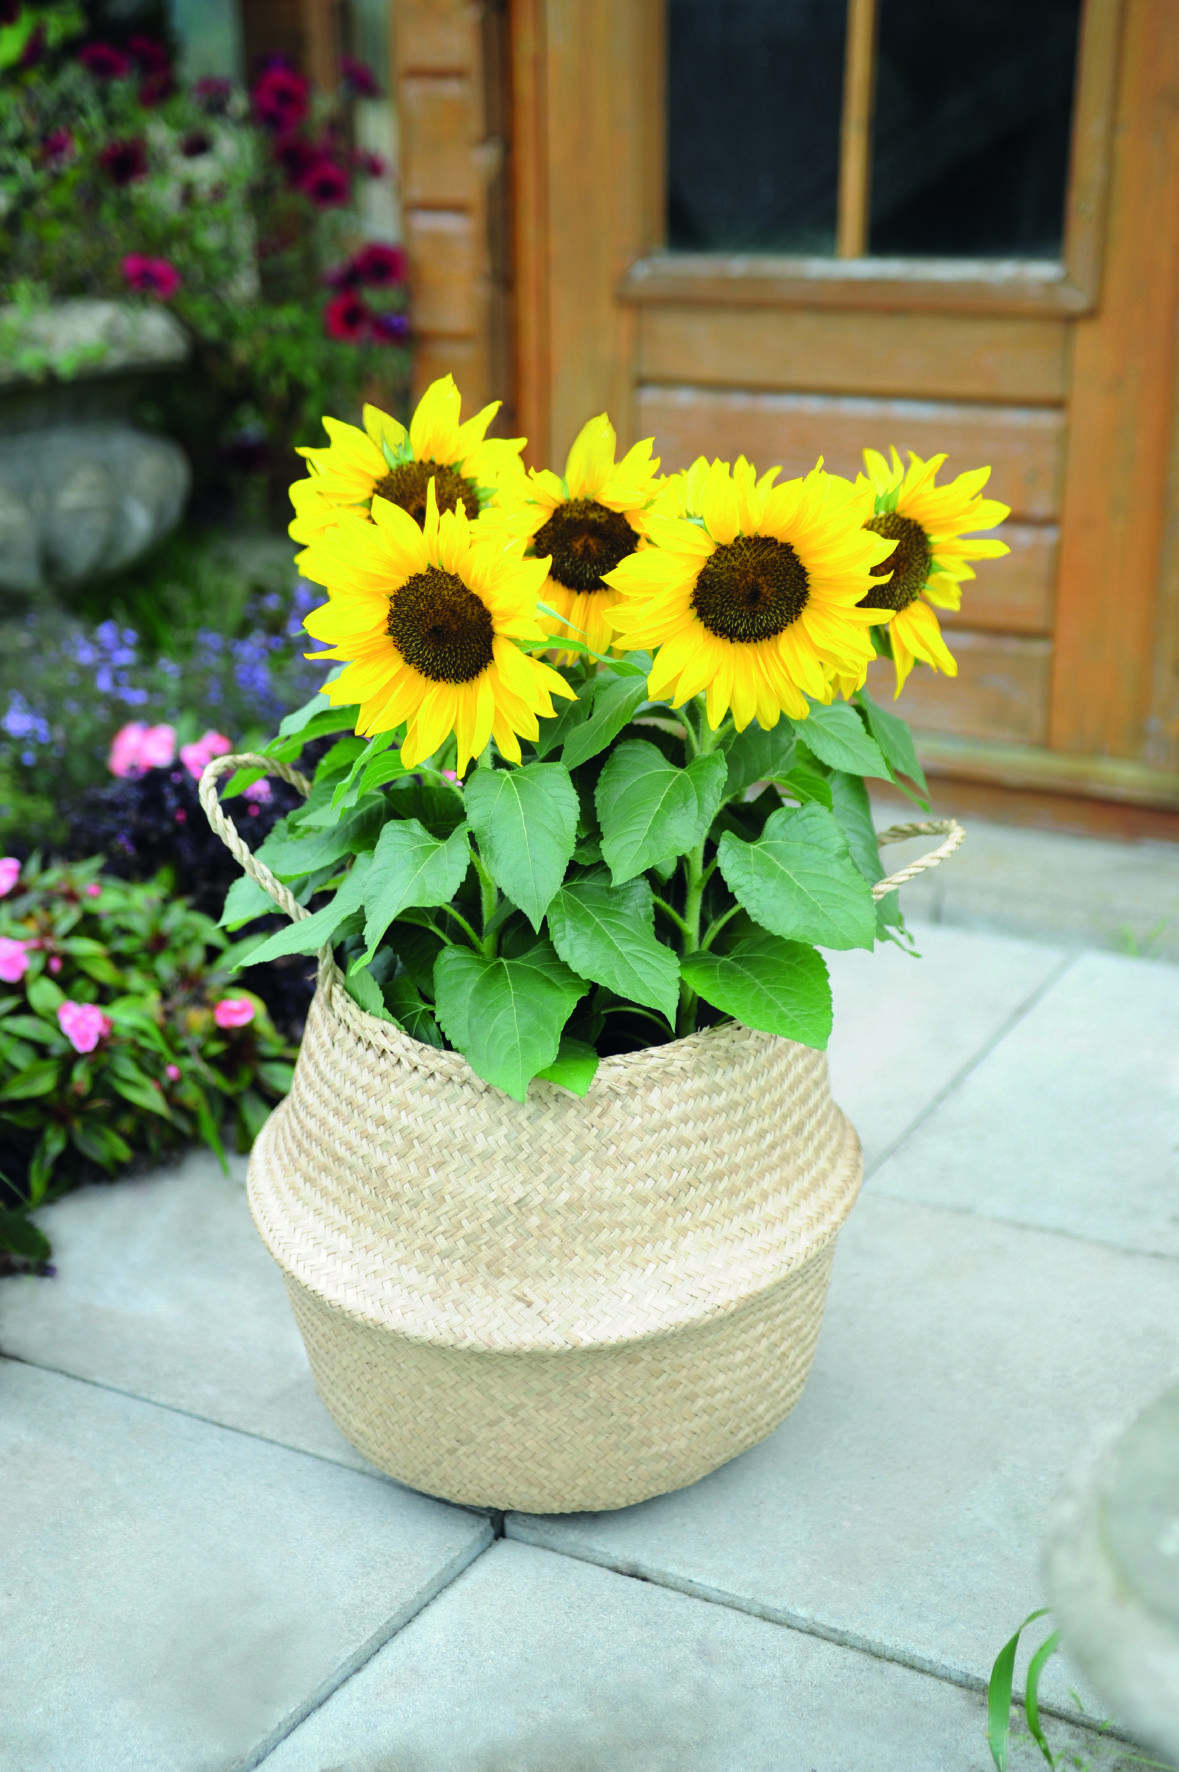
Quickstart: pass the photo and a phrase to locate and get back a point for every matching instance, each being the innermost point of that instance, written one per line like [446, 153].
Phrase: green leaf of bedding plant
[20, 1236]
[410, 868]
[836, 736]
[41, 1078]
[779, 987]
[45, 997]
[799, 881]
[310, 934]
[616, 700]
[607, 933]
[895, 740]
[505, 1016]
[525, 821]
[648, 809]
[574, 1067]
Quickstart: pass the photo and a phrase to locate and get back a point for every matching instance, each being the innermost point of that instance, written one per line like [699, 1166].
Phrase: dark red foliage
[347, 317]
[326, 184]
[281, 98]
[125, 161]
[105, 62]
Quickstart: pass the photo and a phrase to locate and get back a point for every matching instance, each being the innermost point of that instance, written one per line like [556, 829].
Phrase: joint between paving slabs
[1013, 1020]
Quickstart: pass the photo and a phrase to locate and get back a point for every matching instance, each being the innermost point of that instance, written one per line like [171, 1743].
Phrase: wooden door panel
[1001, 690]
[1024, 446]
[1016, 594]
[947, 356]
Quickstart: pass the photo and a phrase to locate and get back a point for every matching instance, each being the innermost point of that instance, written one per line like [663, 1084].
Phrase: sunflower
[586, 522]
[384, 459]
[427, 619]
[927, 523]
[755, 594]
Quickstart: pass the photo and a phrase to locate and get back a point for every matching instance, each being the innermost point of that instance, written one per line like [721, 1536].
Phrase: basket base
[581, 1430]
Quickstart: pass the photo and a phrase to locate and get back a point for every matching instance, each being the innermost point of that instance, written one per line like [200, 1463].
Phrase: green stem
[633, 1009]
[662, 905]
[715, 928]
[490, 899]
[476, 940]
[698, 876]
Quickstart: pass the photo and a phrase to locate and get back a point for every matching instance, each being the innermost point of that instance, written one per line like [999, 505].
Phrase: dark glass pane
[971, 132]
[755, 91]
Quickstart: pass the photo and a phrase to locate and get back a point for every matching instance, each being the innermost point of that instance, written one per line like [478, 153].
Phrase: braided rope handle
[228, 831]
[949, 828]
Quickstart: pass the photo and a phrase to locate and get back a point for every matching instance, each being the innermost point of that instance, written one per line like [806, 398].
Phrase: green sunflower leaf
[779, 987]
[836, 736]
[310, 934]
[525, 821]
[406, 1003]
[555, 731]
[574, 1067]
[410, 868]
[708, 775]
[616, 701]
[755, 755]
[798, 880]
[505, 1016]
[804, 783]
[895, 740]
[364, 990]
[648, 809]
[292, 856]
[607, 933]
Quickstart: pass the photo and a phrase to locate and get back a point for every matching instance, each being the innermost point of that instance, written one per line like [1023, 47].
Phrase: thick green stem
[697, 879]
[490, 899]
[476, 940]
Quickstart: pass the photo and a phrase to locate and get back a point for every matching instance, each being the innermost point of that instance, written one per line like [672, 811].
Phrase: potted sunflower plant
[556, 1189]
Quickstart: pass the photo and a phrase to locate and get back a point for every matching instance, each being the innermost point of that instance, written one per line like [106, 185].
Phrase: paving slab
[1084, 891]
[531, 1662]
[1072, 1121]
[963, 1367]
[905, 1028]
[174, 1596]
[165, 1290]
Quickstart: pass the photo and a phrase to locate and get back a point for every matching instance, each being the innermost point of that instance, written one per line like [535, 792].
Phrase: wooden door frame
[588, 206]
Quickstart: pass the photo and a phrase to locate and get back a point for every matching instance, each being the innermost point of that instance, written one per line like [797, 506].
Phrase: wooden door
[1058, 367]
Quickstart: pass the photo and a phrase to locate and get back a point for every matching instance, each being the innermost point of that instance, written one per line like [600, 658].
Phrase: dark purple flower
[381, 266]
[344, 276]
[326, 184]
[195, 143]
[151, 276]
[296, 155]
[391, 328]
[347, 317]
[148, 53]
[36, 44]
[280, 98]
[57, 147]
[155, 87]
[212, 95]
[105, 62]
[359, 78]
[125, 161]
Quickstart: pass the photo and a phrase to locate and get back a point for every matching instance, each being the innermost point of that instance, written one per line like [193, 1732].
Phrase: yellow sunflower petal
[590, 461]
[434, 427]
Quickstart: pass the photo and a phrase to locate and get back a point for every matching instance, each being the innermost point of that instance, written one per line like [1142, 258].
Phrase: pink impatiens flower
[83, 1025]
[233, 1012]
[94, 890]
[151, 276]
[9, 874]
[14, 962]
[261, 791]
[172, 1072]
[136, 747]
[197, 756]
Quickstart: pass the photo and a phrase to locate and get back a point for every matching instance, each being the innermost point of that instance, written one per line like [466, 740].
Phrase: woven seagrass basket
[557, 1304]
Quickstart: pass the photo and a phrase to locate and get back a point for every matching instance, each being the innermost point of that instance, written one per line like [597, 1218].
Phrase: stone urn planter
[560, 1303]
[83, 492]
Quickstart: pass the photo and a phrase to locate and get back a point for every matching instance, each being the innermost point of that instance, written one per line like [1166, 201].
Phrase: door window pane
[971, 128]
[755, 93]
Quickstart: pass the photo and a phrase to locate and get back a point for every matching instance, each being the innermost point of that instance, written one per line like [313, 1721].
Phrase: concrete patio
[198, 1573]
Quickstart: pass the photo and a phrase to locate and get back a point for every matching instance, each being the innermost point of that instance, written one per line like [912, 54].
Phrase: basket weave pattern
[554, 1305]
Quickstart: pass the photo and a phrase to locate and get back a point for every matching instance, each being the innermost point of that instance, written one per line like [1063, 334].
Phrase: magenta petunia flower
[198, 755]
[382, 266]
[57, 147]
[347, 318]
[105, 62]
[125, 161]
[9, 874]
[151, 276]
[83, 1025]
[359, 78]
[14, 961]
[280, 98]
[326, 184]
[155, 87]
[148, 53]
[233, 1012]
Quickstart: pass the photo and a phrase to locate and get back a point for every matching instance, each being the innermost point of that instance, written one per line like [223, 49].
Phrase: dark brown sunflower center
[750, 589]
[440, 627]
[586, 540]
[406, 486]
[909, 562]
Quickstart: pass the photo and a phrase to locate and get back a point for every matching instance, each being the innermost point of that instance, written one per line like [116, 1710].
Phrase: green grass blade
[999, 1694]
[1032, 1696]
